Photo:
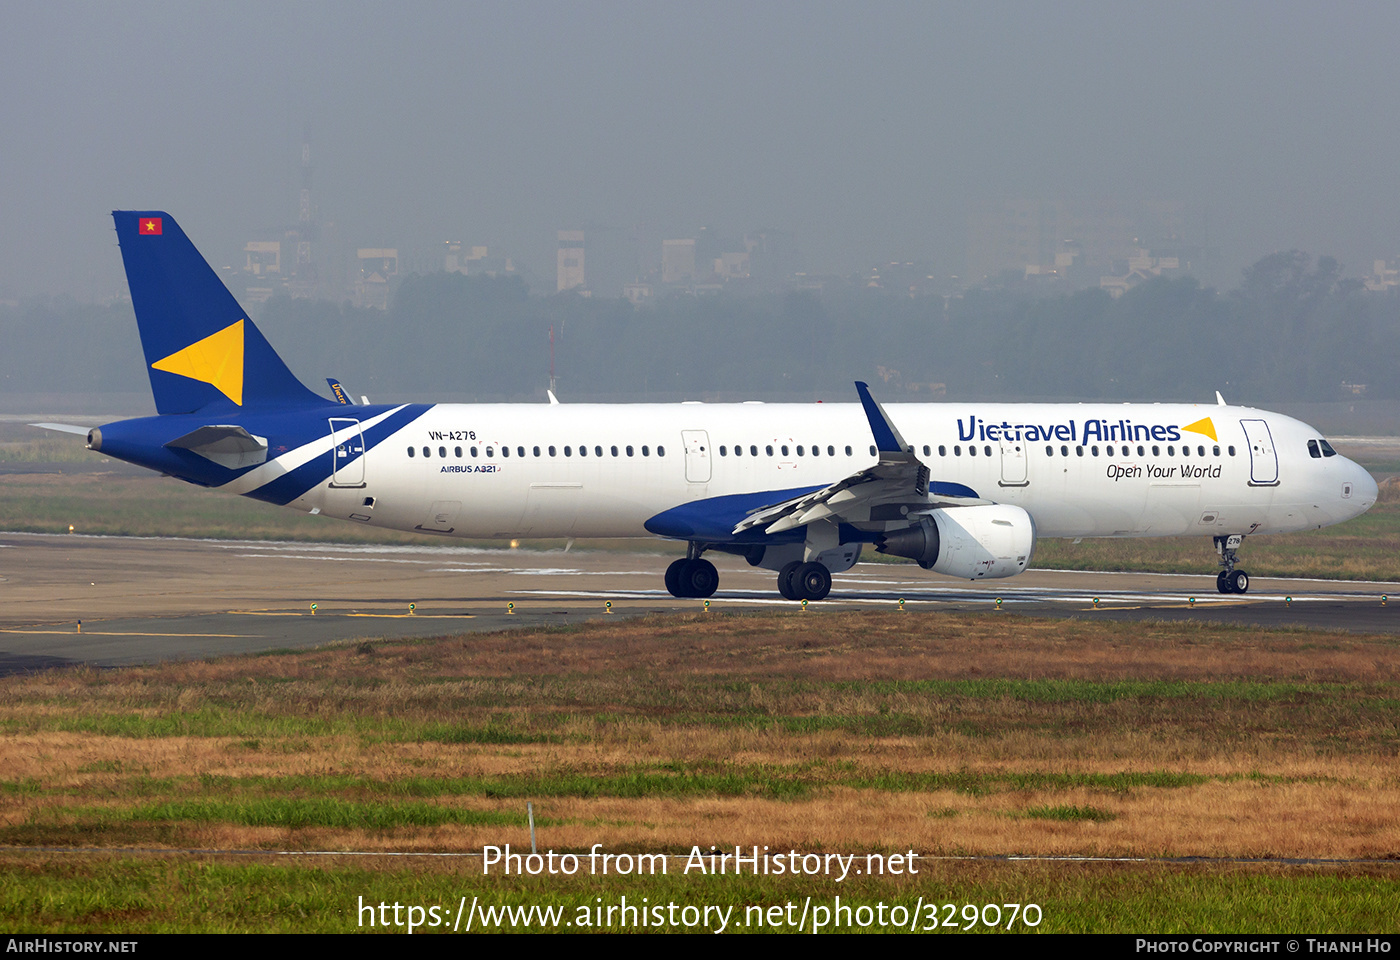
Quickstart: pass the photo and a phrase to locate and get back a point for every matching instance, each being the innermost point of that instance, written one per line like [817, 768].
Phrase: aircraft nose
[1364, 488]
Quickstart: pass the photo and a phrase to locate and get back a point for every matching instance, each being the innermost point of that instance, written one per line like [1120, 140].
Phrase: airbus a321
[963, 489]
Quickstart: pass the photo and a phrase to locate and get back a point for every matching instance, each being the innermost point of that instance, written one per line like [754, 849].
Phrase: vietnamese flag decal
[150, 226]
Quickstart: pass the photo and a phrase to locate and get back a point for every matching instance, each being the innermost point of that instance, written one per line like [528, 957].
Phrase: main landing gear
[693, 577]
[804, 581]
[1231, 579]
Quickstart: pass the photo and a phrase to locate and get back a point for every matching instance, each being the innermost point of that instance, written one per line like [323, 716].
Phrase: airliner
[963, 489]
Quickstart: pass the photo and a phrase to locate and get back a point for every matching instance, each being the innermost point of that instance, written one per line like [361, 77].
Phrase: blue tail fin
[201, 348]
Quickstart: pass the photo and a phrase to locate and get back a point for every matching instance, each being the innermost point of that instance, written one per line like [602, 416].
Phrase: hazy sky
[863, 128]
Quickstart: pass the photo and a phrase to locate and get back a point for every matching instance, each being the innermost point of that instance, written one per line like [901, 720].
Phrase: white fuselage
[1079, 470]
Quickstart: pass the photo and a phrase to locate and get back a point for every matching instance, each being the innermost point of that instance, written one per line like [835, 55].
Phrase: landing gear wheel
[813, 581]
[1222, 582]
[1239, 581]
[700, 578]
[674, 584]
[787, 584]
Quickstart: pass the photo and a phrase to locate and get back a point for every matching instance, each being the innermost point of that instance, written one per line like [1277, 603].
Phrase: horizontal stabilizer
[227, 445]
[63, 428]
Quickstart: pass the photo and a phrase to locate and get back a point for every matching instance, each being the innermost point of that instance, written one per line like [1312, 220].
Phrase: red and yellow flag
[150, 226]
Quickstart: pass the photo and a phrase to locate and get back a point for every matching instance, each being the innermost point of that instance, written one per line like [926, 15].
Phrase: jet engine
[974, 543]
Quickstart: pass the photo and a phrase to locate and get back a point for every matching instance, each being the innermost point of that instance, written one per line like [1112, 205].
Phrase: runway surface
[109, 601]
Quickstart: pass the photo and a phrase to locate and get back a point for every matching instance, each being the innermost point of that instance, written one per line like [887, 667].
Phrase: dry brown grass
[1282, 744]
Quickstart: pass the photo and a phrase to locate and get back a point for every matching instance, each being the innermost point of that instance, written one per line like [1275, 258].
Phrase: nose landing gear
[1230, 579]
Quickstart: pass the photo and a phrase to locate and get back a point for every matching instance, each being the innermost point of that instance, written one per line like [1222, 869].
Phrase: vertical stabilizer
[201, 349]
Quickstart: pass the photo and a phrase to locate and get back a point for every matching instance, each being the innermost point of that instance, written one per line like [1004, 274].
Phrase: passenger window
[568, 451]
[753, 450]
[582, 451]
[872, 450]
[457, 452]
[551, 452]
[536, 451]
[613, 451]
[799, 449]
[1215, 451]
[505, 451]
[769, 449]
[1049, 451]
[1094, 450]
[597, 451]
[660, 450]
[1156, 450]
[830, 450]
[1079, 451]
[722, 452]
[1201, 451]
[646, 451]
[957, 451]
[1231, 450]
[629, 450]
[1108, 451]
[738, 450]
[816, 450]
[1171, 451]
[473, 452]
[942, 450]
[1185, 450]
[926, 450]
[971, 451]
[785, 453]
[1141, 452]
[489, 452]
[848, 451]
[1064, 450]
[987, 450]
[410, 452]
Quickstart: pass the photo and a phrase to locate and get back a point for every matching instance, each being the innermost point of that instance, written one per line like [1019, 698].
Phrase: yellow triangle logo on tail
[1204, 427]
[216, 360]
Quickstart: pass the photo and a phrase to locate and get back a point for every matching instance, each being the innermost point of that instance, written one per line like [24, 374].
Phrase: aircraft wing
[897, 486]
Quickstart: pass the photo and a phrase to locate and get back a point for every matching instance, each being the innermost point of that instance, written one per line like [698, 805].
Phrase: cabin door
[1013, 463]
[347, 453]
[697, 455]
[1263, 460]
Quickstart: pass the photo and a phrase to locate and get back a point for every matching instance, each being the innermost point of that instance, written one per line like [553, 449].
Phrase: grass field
[820, 733]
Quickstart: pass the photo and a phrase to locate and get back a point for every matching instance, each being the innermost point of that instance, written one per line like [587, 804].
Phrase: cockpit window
[1313, 450]
[1327, 450]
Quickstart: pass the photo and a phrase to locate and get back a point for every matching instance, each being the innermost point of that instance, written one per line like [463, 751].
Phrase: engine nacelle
[973, 543]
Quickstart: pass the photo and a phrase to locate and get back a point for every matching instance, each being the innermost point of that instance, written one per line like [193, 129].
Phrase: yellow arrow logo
[1203, 427]
[216, 360]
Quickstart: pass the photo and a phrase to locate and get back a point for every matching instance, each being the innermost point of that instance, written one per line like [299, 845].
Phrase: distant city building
[677, 261]
[377, 267]
[637, 292]
[1136, 269]
[732, 266]
[1383, 276]
[460, 259]
[1054, 239]
[570, 264]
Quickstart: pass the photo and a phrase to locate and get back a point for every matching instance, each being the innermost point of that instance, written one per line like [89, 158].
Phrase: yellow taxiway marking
[337, 613]
[134, 633]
